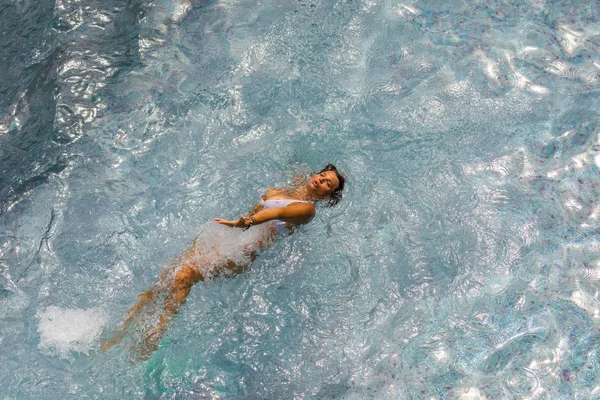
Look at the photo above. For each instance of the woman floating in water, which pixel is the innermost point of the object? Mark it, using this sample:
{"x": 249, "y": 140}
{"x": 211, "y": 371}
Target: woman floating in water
{"x": 279, "y": 210}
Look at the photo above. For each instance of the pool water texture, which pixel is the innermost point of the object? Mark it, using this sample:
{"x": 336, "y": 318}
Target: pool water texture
{"x": 462, "y": 263}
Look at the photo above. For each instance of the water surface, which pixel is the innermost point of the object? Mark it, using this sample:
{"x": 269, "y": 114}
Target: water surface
{"x": 462, "y": 261}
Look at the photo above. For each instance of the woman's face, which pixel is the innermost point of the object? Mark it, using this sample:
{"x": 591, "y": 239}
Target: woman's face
{"x": 323, "y": 184}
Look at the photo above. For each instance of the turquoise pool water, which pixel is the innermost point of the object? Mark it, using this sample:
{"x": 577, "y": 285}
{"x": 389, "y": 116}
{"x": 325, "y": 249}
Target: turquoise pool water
{"x": 462, "y": 263}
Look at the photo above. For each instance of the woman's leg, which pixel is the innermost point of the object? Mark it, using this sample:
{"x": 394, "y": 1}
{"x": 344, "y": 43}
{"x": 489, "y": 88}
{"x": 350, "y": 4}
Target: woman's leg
{"x": 185, "y": 278}
{"x": 163, "y": 285}
{"x": 120, "y": 331}
{"x": 172, "y": 290}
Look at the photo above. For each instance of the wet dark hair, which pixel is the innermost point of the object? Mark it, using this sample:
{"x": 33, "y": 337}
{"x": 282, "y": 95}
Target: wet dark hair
{"x": 336, "y": 196}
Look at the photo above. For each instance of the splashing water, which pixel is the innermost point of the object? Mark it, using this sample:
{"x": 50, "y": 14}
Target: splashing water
{"x": 63, "y": 331}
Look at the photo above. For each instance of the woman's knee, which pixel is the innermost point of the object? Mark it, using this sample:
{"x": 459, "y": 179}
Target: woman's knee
{"x": 187, "y": 276}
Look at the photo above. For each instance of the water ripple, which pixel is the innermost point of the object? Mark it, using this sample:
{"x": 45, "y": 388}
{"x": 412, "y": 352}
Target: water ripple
{"x": 462, "y": 262}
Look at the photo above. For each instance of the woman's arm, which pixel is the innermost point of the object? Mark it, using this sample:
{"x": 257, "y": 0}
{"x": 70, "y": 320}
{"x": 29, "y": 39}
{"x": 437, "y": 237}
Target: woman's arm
{"x": 298, "y": 213}
{"x": 295, "y": 213}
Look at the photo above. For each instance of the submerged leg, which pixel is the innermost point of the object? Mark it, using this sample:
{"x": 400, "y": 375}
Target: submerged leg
{"x": 120, "y": 331}
{"x": 168, "y": 294}
{"x": 148, "y": 297}
{"x": 185, "y": 278}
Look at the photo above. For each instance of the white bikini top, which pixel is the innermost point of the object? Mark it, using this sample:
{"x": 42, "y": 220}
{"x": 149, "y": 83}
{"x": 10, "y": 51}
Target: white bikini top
{"x": 280, "y": 203}
{"x": 278, "y": 224}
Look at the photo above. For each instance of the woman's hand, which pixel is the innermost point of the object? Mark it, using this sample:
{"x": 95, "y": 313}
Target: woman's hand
{"x": 241, "y": 222}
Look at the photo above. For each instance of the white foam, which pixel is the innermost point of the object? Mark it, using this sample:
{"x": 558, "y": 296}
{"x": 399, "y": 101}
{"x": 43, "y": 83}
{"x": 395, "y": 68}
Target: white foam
{"x": 69, "y": 330}
{"x": 216, "y": 245}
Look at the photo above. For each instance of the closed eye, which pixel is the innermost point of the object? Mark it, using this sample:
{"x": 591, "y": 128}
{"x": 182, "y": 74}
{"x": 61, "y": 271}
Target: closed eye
{"x": 328, "y": 181}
